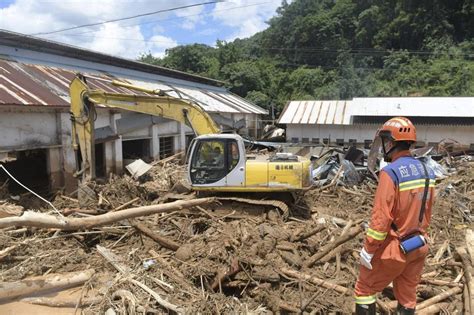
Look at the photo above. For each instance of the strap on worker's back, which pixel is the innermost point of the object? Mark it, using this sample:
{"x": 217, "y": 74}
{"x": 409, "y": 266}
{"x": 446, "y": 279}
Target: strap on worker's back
{"x": 423, "y": 201}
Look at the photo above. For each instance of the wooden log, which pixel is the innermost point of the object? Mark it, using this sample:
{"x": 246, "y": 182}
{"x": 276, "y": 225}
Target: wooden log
{"x": 40, "y": 220}
{"x": 467, "y": 300}
{"x": 163, "y": 241}
{"x": 303, "y": 236}
{"x": 353, "y": 232}
{"x": 468, "y": 270}
{"x": 434, "y": 309}
{"x": 68, "y": 211}
{"x": 441, "y": 282}
{"x": 36, "y": 285}
{"x": 337, "y": 251}
{"x": 438, "y": 298}
{"x": 384, "y": 307}
{"x": 306, "y": 277}
{"x": 57, "y": 302}
{"x": 441, "y": 250}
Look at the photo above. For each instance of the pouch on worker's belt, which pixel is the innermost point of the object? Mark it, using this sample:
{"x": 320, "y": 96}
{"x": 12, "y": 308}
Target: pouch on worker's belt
{"x": 412, "y": 242}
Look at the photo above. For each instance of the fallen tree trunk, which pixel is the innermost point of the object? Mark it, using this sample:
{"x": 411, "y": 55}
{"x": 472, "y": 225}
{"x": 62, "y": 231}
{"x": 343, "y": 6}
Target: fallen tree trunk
{"x": 438, "y": 298}
{"x": 326, "y": 284}
{"x": 333, "y": 245}
{"x": 40, "y": 220}
{"x": 35, "y": 285}
{"x": 434, "y": 309}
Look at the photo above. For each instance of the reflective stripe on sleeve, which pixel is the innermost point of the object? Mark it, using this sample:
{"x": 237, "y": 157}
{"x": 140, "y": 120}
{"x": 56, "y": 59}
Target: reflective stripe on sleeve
{"x": 376, "y": 235}
{"x": 365, "y": 299}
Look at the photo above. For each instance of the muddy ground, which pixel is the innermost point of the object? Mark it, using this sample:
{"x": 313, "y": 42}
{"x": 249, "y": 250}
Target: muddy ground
{"x": 231, "y": 261}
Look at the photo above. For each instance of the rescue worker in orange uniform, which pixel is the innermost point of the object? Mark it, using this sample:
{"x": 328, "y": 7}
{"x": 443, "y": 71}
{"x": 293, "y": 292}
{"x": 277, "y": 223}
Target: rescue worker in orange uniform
{"x": 397, "y": 214}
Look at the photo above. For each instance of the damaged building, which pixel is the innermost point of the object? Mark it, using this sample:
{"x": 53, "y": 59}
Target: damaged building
{"x": 354, "y": 122}
{"x": 35, "y": 126}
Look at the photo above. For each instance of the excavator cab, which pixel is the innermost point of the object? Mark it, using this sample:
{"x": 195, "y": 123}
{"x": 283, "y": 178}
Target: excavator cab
{"x": 217, "y": 161}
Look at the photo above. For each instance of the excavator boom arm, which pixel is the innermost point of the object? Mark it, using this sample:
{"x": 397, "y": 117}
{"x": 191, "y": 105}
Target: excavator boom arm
{"x": 83, "y": 101}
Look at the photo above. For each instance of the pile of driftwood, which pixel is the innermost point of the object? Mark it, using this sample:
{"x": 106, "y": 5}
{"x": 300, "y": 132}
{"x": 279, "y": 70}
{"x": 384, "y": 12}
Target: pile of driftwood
{"x": 148, "y": 255}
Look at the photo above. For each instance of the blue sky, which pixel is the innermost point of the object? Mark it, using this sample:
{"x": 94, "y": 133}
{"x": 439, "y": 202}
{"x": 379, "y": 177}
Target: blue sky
{"x": 225, "y": 20}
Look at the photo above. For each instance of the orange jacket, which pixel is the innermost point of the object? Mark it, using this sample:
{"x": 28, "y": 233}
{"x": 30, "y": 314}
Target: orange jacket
{"x": 398, "y": 200}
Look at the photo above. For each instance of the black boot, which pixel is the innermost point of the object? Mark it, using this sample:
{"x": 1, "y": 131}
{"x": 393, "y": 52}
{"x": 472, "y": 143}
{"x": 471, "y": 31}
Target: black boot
{"x": 402, "y": 310}
{"x": 365, "y": 309}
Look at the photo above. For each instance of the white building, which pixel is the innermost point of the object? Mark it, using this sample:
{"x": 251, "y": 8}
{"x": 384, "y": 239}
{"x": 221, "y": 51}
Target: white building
{"x": 35, "y": 127}
{"x": 356, "y": 121}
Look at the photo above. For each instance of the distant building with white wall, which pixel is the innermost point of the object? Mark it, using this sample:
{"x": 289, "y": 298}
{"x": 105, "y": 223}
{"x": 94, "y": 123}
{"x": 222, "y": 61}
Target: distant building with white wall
{"x": 357, "y": 120}
{"x": 35, "y": 127}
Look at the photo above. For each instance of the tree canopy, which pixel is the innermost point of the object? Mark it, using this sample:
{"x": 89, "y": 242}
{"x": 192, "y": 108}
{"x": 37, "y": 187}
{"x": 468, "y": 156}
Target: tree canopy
{"x": 339, "y": 49}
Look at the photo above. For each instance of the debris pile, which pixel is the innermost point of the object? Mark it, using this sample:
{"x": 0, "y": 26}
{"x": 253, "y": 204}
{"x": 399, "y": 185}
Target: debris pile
{"x": 192, "y": 255}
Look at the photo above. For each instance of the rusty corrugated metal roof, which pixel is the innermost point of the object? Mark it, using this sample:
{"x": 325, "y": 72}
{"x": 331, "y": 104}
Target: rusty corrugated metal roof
{"x": 27, "y": 84}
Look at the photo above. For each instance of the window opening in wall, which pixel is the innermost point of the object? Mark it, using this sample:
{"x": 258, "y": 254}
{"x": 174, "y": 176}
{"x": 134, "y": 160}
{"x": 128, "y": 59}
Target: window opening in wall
{"x": 166, "y": 147}
{"x": 100, "y": 160}
{"x": 353, "y": 142}
{"x": 136, "y": 149}
{"x": 315, "y": 140}
{"x": 340, "y": 142}
{"x": 30, "y": 168}
{"x": 294, "y": 140}
{"x": 326, "y": 140}
{"x": 305, "y": 140}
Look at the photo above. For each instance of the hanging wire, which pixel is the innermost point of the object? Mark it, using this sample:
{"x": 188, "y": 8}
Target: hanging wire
{"x": 31, "y": 191}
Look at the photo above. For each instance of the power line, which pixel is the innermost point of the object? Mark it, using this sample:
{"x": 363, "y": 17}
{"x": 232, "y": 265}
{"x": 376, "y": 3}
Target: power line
{"x": 314, "y": 51}
{"x": 179, "y": 17}
{"x": 364, "y": 51}
{"x": 127, "y": 18}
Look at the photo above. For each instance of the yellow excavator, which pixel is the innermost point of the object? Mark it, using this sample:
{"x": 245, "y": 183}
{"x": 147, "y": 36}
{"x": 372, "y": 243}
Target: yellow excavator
{"x": 215, "y": 161}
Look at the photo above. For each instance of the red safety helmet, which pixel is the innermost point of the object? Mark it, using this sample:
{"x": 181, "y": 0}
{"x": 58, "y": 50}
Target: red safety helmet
{"x": 398, "y": 129}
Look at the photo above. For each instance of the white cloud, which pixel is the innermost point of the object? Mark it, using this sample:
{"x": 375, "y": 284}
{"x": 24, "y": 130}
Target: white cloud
{"x": 247, "y": 17}
{"x": 191, "y": 17}
{"x": 118, "y": 38}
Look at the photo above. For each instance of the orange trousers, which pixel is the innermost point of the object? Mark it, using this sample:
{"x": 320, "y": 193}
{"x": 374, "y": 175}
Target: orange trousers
{"x": 390, "y": 264}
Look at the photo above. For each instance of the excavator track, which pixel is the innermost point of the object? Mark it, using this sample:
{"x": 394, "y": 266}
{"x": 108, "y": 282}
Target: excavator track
{"x": 283, "y": 207}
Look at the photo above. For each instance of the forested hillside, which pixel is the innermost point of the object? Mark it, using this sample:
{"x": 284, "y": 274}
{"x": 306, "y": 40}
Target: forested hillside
{"x": 339, "y": 49}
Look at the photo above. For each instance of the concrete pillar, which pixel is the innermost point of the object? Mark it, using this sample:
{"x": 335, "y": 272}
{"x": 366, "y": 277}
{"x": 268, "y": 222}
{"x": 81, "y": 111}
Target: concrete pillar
{"x": 113, "y": 150}
{"x": 182, "y": 137}
{"x": 54, "y": 166}
{"x": 154, "y": 143}
{"x": 68, "y": 157}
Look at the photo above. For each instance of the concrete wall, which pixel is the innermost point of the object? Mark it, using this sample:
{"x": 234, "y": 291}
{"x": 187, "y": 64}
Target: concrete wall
{"x": 30, "y": 127}
{"x": 425, "y": 133}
